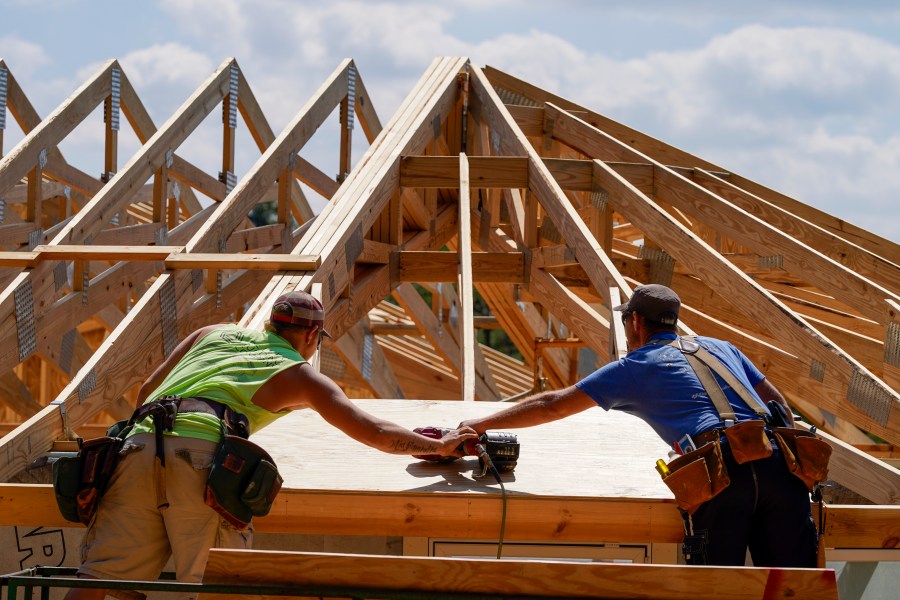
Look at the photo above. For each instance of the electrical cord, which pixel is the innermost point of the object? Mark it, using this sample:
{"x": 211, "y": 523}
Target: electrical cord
{"x": 488, "y": 463}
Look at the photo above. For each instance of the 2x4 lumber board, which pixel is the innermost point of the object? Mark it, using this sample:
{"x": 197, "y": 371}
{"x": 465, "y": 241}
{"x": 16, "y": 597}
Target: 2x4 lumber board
{"x": 251, "y": 188}
{"x": 511, "y": 578}
{"x": 855, "y": 470}
{"x": 854, "y": 234}
{"x": 746, "y": 228}
{"x": 309, "y": 174}
{"x": 667, "y": 154}
{"x": 660, "y": 150}
{"x": 559, "y": 519}
{"x": 47, "y": 135}
{"x": 757, "y": 303}
{"x": 262, "y": 262}
{"x": 484, "y": 172}
{"x": 370, "y": 185}
{"x": 438, "y": 267}
{"x": 855, "y": 258}
{"x": 598, "y": 266}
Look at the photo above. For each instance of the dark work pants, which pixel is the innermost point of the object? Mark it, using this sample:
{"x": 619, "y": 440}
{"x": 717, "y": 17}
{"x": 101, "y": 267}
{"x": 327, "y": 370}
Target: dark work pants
{"x": 765, "y": 509}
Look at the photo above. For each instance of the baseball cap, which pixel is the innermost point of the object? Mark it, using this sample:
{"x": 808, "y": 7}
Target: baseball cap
{"x": 655, "y": 302}
{"x": 301, "y": 309}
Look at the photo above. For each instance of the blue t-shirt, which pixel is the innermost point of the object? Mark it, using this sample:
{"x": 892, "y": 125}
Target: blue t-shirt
{"x": 656, "y": 383}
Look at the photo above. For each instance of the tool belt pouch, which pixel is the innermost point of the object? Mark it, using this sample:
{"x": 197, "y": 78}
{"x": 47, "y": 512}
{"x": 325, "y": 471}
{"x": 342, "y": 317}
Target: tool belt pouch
{"x": 79, "y": 482}
{"x": 805, "y": 453}
{"x": 748, "y": 441}
{"x": 698, "y": 476}
{"x": 243, "y": 481}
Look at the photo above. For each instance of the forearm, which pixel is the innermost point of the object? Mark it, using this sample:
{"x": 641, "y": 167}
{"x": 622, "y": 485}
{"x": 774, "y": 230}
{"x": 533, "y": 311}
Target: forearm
{"x": 535, "y": 410}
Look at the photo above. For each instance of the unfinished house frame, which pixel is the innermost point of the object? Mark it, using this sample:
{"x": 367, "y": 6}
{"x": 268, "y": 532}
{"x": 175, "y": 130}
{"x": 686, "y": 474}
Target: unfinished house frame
{"x": 480, "y": 182}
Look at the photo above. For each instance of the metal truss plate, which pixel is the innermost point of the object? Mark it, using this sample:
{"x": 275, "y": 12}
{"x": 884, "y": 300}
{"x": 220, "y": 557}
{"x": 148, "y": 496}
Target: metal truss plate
{"x": 3, "y": 92}
{"x": 368, "y": 348}
{"x": 115, "y": 96}
{"x": 351, "y": 96}
{"x": 66, "y": 351}
{"x": 662, "y": 265}
{"x": 87, "y": 385}
{"x": 233, "y": 96}
{"x": 892, "y": 344}
{"x": 817, "y": 370}
{"x": 168, "y": 312}
{"x": 867, "y": 396}
{"x": 25, "y": 330}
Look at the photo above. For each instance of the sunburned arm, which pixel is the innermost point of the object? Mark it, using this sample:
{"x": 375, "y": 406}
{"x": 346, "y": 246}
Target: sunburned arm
{"x": 302, "y": 386}
{"x": 768, "y": 392}
{"x": 157, "y": 377}
{"x": 535, "y": 410}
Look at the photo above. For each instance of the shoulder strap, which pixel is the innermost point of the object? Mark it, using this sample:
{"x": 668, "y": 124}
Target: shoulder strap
{"x": 704, "y": 363}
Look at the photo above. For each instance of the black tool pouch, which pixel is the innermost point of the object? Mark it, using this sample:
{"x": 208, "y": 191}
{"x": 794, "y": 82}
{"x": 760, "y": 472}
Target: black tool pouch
{"x": 243, "y": 481}
{"x": 80, "y": 481}
{"x": 698, "y": 476}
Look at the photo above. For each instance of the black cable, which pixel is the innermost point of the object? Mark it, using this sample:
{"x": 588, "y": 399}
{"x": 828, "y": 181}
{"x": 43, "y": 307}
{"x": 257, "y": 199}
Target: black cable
{"x": 485, "y": 457}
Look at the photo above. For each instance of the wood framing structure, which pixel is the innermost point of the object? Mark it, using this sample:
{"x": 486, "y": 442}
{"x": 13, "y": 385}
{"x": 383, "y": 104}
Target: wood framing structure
{"x": 481, "y": 187}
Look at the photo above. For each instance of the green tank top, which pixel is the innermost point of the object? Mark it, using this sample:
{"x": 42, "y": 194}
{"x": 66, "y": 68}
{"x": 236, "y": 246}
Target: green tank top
{"x": 228, "y": 365}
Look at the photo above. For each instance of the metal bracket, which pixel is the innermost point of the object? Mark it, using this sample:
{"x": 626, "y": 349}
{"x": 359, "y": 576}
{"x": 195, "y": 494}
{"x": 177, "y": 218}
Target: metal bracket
{"x": 161, "y": 236}
{"x": 35, "y": 238}
{"x": 770, "y": 262}
{"x": 233, "y": 96}
{"x": 66, "y": 351}
{"x": 60, "y": 275}
{"x": 25, "y": 331}
{"x": 867, "y": 396}
{"x": 229, "y": 179}
{"x": 170, "y": 158}
{"x": 817, "y": 370}
{"x": 2, "y": 209}
{"x": 3, "y": 89}
{"x": 662, "y": 265}
{"x": 68, "y": 432}
{"x": 219, "y": 289}
{"x": 168, "y": 312}
{"x": 115, "y": 98}
{"x": 368, "y": 342}
{"x": 892, "y": 344}
{"x": 549, "y": 231}
{"x": 87, "y": 385}
{"x": 351, "y": 95}
{"x": 599, "y": 198}
{"x": 114, "y": 220}
{"x": 85, "y": 284}
{"x": 354, "y": 247}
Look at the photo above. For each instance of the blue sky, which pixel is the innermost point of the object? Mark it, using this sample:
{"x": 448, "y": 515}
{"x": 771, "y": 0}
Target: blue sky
{"x": 801, "y": 96}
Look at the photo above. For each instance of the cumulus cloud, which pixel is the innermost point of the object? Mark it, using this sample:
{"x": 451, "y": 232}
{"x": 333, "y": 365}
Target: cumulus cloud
{"x": 21, "y": 55}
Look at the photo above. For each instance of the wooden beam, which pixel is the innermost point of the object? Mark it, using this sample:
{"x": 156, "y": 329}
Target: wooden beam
{"x": 464, "y": 284}
{"x": 435, "y": 267}
{"x": 443, "y": 172}
{"x": 508, "y": 578}
{"x": 475, "y": 516}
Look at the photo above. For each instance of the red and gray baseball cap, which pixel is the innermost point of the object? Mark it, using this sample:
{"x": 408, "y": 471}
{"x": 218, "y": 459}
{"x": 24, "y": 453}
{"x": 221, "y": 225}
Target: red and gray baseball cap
{"x": 300, "y": 309}
{"x": 655, "y": 302}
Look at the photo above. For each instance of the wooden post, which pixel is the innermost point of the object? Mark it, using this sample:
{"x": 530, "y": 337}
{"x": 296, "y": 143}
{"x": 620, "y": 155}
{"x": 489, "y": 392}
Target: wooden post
{"x": 464, "y": 286}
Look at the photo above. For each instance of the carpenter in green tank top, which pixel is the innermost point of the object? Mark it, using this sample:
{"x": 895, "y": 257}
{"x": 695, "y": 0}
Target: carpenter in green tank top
{"x": 228, "y": 365}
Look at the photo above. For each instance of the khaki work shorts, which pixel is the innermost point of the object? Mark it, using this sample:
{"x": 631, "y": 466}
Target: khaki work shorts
{"x": 131, "y": 538}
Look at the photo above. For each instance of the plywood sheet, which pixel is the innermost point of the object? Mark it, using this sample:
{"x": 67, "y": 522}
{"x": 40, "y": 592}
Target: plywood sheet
{"x": 592, "y": 454}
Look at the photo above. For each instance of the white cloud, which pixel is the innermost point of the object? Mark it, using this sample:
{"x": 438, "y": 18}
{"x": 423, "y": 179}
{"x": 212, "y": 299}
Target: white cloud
{"x": 21, "y": 56}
